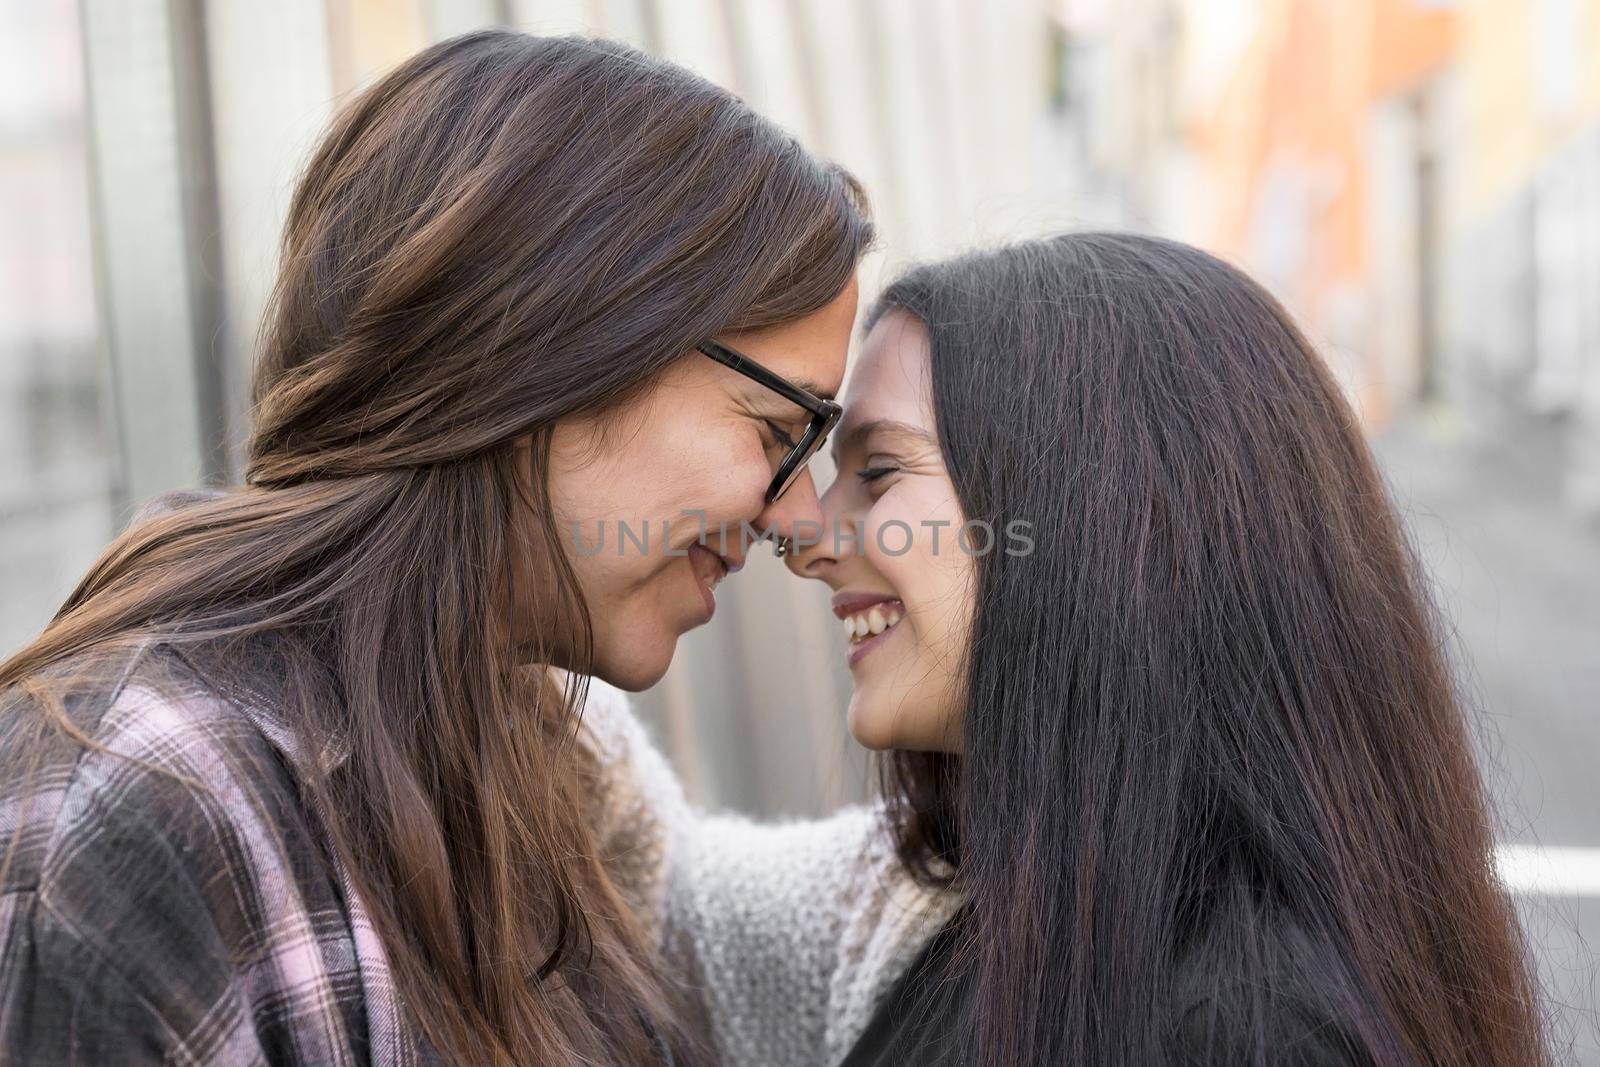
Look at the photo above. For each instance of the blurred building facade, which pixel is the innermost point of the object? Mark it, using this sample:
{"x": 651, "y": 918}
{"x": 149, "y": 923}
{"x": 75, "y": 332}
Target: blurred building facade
{"x": 1522, "y": 250}
{"x": 1419, "y": 181}
{"x": 58, "y": 458}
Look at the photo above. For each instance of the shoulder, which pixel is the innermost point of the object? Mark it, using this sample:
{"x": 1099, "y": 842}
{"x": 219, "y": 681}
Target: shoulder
{"x": 168, "y": 758}
{"x": 163, "y": 853}
{"x": 175, "y": 809}
{"x": 1293, "y": 1001}
{"x": 124, "y": 760}
{"x": 1297, "y": 1032}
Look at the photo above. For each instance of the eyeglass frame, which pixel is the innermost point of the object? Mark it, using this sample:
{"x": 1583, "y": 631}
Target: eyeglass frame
{"x": 824, "y": 414}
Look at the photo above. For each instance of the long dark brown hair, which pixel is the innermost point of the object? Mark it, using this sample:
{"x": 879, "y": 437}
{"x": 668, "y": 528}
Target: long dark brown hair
{"x": 503, "y": 231}
{"x": 1217, "y": 794}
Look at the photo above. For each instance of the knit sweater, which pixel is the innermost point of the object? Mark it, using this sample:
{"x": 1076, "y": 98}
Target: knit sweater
{"x": 790, "y": 932}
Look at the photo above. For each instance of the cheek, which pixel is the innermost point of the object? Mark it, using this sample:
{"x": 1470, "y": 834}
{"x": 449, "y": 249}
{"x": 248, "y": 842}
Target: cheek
{"x": 717, "y": 488}
{"x": 671, "y": 487}
{"x": 739, "y": 472}
{"x": 934, "y": 578}
{"x": 671, "y": 471}
{"x": 711, "y": 464}
{"x": 912, "y": 541}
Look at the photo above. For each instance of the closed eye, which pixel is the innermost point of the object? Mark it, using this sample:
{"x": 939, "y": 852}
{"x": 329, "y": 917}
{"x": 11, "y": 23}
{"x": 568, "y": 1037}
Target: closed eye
{"x": 872, "y": 474}
{"x": 779, "y": 437}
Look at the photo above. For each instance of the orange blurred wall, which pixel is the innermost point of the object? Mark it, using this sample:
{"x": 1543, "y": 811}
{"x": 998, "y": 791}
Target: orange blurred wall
{"x": 1285, "y": 150}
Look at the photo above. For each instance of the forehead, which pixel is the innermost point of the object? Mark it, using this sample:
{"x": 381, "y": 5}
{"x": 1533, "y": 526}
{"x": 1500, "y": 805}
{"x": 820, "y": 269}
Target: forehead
{"x": 890, "y": 378}
{"x": 808, "y": 351}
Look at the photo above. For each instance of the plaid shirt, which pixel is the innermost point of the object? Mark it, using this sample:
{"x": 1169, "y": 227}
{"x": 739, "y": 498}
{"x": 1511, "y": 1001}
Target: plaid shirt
{"x": 144, "y": 920}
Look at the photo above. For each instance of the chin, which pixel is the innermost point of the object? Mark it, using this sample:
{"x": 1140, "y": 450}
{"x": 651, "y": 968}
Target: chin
{"x": 868, "y": 730}
{"x": 635, "y": 668}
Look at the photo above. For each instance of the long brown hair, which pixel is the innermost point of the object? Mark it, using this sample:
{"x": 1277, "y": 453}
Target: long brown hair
{"x": 503, "y": 231}
{"x": 1217, "y": 793}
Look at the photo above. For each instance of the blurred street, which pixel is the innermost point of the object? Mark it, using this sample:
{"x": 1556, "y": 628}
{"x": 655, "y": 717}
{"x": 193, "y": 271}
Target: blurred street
{"x": 1518, "y": 575}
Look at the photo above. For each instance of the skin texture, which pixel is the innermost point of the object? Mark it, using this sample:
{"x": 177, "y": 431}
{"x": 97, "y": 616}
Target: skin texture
{"x": 698, "y": 441}
{"x": 891, "y": 471}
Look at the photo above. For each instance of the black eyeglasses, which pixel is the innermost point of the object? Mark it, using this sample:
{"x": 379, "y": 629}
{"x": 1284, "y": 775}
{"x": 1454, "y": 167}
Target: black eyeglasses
{"x": 824, "y": 413}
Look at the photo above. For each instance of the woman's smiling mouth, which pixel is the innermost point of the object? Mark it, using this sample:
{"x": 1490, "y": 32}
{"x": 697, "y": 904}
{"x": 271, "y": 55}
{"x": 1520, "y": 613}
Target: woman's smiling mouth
{"x": 867, "y": 619}
{"x": 710, "y": 568}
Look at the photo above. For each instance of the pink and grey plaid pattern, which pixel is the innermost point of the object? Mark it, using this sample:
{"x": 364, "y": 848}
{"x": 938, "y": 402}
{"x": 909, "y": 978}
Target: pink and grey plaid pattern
{"x": 172, "y": 901}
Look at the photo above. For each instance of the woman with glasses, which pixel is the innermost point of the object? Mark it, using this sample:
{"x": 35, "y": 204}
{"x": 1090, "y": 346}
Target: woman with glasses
{"x": 286, "y": 780}
{"x": 1179, "y": 775}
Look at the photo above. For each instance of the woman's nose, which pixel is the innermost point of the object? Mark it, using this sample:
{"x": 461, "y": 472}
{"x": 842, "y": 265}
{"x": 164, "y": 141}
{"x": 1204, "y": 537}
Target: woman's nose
{"x": 796, "y": 513}
{"x": 818, "y": 546}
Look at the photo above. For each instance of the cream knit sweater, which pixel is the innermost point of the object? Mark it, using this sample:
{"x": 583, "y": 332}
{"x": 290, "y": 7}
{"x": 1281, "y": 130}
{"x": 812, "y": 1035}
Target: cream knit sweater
{"x": 791, "y": 931}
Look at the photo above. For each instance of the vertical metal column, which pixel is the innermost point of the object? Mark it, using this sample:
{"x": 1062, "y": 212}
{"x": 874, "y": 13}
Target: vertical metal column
{"x": 155, "y": 234}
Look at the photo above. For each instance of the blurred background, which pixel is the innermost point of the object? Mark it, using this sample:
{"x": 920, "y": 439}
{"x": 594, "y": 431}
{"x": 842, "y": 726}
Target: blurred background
{"x": 1419, "y": 181}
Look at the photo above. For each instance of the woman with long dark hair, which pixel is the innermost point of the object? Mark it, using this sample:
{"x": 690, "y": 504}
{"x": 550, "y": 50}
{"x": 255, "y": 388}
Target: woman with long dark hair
{"x": 286, "y": 780}
{"x": 1177, "y": 770}
{"x": 1188, "y": 749}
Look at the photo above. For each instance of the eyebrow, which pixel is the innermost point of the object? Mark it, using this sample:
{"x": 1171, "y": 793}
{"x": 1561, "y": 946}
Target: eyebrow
{"x": 816, "y": 389}
{"x": 863, "y": 430}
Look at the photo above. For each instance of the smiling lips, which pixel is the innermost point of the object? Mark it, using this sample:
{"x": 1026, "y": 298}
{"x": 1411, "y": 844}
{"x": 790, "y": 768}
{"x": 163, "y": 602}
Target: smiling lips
{"x": 710, "y": 568}
{"x": 866, "y": 616}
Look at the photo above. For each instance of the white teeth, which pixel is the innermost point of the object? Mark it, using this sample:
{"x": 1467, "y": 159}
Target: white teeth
{"x": 869, "y": 623}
